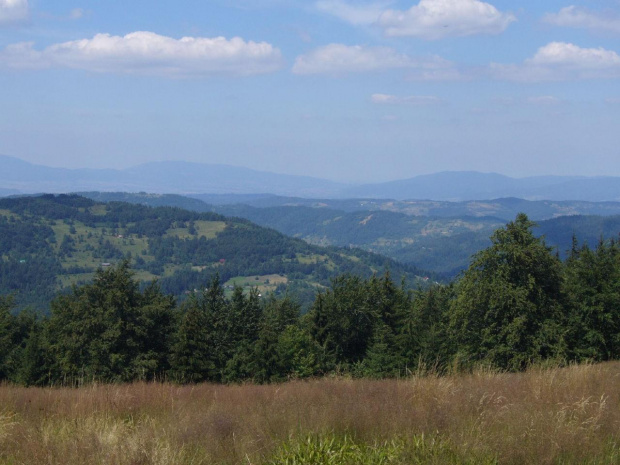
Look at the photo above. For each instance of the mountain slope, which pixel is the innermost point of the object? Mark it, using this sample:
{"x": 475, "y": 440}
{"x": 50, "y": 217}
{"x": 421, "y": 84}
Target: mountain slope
{"x": 50, "y": 242}
{"x": 436, "y": 236}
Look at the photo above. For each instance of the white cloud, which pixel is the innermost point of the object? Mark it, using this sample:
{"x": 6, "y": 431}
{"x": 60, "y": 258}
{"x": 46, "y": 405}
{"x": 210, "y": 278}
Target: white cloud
{"x": 356, "y": 14}
{"x": 544, "y": 100}
{"x": 436, "y": 19}
{"x": 12, "y": 11}
{"x": 559, "y": 61}
{"x": 148, "y": 53}
{"x": 340, "y": 59}
{"x": 570, "y": 55}
{"x": 576, "y": 17}
{"x": 387, "y": 99}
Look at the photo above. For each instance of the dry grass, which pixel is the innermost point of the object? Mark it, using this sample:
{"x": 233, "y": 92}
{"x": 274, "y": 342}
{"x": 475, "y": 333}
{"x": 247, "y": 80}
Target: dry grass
{"x": 569, "y": 415}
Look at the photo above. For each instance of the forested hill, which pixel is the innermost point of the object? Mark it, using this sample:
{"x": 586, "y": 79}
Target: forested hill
{"x": 49, "y": 242}
{"x": 419, "y": 233}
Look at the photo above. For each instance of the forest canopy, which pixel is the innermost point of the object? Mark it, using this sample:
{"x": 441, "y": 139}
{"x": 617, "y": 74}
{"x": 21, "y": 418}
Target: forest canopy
{"x": 516, "y": 305}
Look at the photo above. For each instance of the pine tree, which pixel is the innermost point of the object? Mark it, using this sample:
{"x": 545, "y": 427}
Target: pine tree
{"x": 593, "y": 288}
{"x": 7, "y": 336}
{"x": 192, "y": 358}
{"x": 508, "y": 306}
{"x": 109, "y": 330}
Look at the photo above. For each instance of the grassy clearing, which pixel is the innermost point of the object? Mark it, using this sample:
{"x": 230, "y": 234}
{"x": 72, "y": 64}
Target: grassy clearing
{"x": 264, "y": 283}
{"x": 208, "y": 229}
{"x": 544, "y": 416}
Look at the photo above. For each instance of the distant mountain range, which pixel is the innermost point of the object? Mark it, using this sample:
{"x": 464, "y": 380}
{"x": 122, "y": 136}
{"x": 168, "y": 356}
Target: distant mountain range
{"x": 470, "y": 185}
{"x": 160, "y": 177}
{"x": 18, "y": 176}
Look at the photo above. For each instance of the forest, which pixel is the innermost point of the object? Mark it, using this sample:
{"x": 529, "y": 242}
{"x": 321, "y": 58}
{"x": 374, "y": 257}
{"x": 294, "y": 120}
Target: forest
{"x": 49, "y": 243}
{"x": 517, "y": 305}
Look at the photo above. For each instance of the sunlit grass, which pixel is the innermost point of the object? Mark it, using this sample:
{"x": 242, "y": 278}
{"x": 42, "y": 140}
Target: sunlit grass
{"x": 567, "y": 415}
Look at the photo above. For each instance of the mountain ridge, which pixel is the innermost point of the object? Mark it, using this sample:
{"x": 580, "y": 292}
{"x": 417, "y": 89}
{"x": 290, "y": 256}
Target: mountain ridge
{"x": 189, "y": 178}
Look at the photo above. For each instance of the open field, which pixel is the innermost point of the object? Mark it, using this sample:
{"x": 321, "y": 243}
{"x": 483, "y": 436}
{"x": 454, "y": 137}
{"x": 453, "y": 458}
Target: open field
{"x": 544, "y": 416}
{"x": 264, "y": 283}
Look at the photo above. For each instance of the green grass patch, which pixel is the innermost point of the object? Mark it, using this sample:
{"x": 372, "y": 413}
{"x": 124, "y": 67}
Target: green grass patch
{"x": 98, "y": 210}
{"x": 344, "y": 450}
{"x": 208, "y": 229}
{"x": 264, "y": 283}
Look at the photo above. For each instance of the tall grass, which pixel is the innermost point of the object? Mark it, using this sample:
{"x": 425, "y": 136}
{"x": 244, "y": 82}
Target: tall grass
{"x": 550, "y": 415}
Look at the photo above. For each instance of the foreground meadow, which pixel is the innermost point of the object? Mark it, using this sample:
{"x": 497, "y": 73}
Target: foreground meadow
{"x": 555, "y": 415}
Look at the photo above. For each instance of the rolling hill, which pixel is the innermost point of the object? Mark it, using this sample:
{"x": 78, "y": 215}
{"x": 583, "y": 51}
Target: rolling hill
{"x": 50, "y": 242}
{"x": 442, "y": 242}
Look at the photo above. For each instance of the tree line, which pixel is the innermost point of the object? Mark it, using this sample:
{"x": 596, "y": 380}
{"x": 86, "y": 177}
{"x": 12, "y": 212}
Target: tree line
{"x": 516, "y": 305}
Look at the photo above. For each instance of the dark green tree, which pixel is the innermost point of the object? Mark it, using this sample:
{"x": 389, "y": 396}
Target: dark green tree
{"x": 8, "y": 337}
{"x": 593, "y": 289}
{"x": 192, "y": 352}
{"x": 278, "y": 315}
{"x": 33, "y": 367}
{"x": 423, "y": 333}
{"x": 508, "y": 306}
{"x": 109, "y": 330}
{"x": 343, "y": 321}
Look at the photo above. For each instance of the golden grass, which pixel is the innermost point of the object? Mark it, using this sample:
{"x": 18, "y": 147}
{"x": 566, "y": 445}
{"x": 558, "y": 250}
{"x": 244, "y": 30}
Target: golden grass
{"x": 567, "y": 415}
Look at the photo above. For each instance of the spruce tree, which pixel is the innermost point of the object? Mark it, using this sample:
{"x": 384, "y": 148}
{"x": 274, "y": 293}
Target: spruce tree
{"x": 508, "y": 309}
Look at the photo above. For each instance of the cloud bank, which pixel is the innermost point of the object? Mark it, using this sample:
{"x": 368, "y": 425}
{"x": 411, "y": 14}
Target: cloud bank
{"x": 437, "y": 19}
{"x": 338, "y": 59}
{"x": 387, "y": 99}
{"x": 559, "y": 61}
{"x": 13, "y": 11}
{"x": 577, "y": 17}
{"x": 147, "y": 53}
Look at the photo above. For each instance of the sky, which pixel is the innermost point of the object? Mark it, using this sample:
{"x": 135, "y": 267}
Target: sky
{"x": 363, "y": 91}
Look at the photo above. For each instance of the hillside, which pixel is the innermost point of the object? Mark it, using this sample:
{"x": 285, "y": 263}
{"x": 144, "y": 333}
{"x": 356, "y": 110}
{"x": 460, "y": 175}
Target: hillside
{"x": 50, "y": 242}
{"x": 503, "y": 208}
{"x": 436, "y": 236}
{"x": 440, "y": 244}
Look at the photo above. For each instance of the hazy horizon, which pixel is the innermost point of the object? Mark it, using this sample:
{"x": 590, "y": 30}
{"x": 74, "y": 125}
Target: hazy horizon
{"x": 356, "y": 92}
{"x": 326, "y": 178}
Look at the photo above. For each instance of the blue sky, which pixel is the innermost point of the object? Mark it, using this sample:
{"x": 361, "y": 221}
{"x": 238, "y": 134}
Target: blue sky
{"x": 352, "y": 91}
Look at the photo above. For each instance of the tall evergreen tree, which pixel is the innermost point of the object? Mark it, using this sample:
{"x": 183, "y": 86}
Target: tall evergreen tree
{"x": 192, "y": 358}
{"x": 593, "y": 288}
{"x": 107, "y": 330}
{"x": 508, "y": 309}
{"x": 8, "y": 330}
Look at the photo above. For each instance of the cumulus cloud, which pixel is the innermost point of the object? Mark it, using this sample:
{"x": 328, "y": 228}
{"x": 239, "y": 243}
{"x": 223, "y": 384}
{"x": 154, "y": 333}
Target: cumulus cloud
{"x": 148, "y": 53}
{"x": 558, "y": 61}
{"x": 577, "y": 17}
{"x": 570, "y": 55}
{"x": 436, "y": 19}
{"x": 12, "y": 11}
{"x": 342, "y": 59}
{"x": 387, "y": 99}
{"x": 356, "y": 14}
